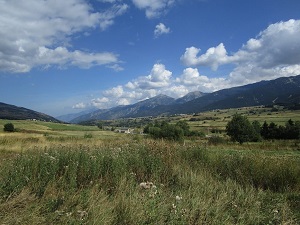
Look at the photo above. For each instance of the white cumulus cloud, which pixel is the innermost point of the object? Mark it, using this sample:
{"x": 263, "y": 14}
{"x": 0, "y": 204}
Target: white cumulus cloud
{"x": 161, "y": 29}
{"x": 275, "y": 52}
{"x": 34, "y": 32}
{"x": 159, "y": 77}
{"x": 80, "y": 105}
{"x": 153, "y": 8}
{"x": 214, "y": 57}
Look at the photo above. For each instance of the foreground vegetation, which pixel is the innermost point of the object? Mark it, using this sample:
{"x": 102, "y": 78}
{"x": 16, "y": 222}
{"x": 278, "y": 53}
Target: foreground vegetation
{"x": 99, "y": 183}
{"x": 70, "y": 174}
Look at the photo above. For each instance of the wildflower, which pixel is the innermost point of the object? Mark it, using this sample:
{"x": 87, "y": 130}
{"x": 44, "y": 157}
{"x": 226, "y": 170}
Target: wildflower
{"x": 133, "y": 174}
{"x": 146, "y": 185}
{"x": 183, "y": 212}
{"x": 151, "y": 195}
{"x": 52, "y": 158}
{"x": 60, "y": 213}
{"x": 82, "y": 214}
{"x": 178, "y": 198}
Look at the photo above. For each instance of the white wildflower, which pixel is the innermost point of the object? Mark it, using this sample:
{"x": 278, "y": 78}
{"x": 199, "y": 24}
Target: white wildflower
{"x": 146, "y": 185}
{"x": 178, "y": 198}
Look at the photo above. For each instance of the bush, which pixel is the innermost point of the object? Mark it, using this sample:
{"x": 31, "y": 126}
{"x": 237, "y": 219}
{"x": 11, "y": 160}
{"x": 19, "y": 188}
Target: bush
{"x": 88, "y": 135}
{"x": 215, "y": 140}
{"x": 166, "y": 131}
{"x": 9, "y": 127}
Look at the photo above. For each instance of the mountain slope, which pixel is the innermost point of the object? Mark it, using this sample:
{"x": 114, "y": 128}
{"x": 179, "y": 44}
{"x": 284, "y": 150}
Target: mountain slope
{"x": 282, "y": 90}
{"x": 199, "y": 104}
{"x": 69, "y": 117}
{"x": 135, "y": 110}
{"x": 12, "y": 112}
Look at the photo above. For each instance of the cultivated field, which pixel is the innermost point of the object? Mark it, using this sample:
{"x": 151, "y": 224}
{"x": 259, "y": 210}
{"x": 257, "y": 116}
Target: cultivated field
{"x": 71, "y": 174}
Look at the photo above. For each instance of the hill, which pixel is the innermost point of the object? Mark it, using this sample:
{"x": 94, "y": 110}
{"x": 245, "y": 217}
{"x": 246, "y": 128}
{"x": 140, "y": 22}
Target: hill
{"x": 11, "y": 112}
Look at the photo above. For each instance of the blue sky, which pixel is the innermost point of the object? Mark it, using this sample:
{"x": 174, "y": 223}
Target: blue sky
{"x": 60, "y": 57}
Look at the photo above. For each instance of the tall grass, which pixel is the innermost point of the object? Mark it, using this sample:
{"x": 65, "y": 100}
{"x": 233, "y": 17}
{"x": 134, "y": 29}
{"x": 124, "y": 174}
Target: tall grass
{"x": 80, "y": 184}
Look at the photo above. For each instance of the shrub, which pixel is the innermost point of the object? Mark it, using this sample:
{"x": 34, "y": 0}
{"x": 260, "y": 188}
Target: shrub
{"x": 9, "y": 127}
{"x": 88, "y": 135}
{"x": 215, "y": 140}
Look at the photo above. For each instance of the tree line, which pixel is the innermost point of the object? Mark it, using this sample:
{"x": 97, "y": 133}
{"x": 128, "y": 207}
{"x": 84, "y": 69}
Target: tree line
{"x": 240, "y": 129}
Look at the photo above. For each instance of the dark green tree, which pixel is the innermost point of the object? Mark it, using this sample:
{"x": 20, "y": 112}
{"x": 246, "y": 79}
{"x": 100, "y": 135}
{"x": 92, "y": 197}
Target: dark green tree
{"x": 291, "y": 130}
{"x": 9, "y": 127}
{"x": 155, "y": 132}
{"x": 100, "y": 125}
{"x": 164, "y": 130}
{"x": 172, "y": 132}
{"x": 265, "y": 130}
{"x": 240, "y": 129}
{"x": 184, "y": 126}
{"x": 257, "y": 129}
{"x": 147, "y": 128}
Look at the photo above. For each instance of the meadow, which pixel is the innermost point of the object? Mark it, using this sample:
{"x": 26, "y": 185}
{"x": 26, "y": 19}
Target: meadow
{"x": 71, "y": 174}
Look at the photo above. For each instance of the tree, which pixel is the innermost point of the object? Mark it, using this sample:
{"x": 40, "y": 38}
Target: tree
{"x": 100, "y": 125}
{"x": 184, "y": 126}
{"x": 147, "y": 128}
{"x": 172, "y": 132}
{"x": 240, "y": 129}
{"x": 265, "y": 130}
{"x": 165, "y": 130}
{"x": 9, "y": 127}
{"x": 291, "y": 130}
{"x": 257, "y": 129}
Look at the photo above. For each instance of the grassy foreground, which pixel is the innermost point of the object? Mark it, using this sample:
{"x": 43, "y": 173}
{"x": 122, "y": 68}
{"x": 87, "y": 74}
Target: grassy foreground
{"x": 83, "y": 180}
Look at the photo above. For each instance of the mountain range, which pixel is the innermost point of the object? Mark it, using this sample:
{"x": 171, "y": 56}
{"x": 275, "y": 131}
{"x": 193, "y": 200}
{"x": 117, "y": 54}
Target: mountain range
{"x": 284, "y": 90}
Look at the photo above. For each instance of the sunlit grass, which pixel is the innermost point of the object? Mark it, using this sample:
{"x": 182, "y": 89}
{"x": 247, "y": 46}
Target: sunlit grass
{"x": 99, "y": 183}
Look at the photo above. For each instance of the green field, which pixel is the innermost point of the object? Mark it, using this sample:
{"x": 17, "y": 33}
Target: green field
{"x": 219, "y": 118}
{"x": 72, "y": 174}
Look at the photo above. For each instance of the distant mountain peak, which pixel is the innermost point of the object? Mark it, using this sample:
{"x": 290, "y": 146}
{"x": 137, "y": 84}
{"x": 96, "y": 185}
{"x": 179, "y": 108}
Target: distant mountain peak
{"x": 190, "y": 96}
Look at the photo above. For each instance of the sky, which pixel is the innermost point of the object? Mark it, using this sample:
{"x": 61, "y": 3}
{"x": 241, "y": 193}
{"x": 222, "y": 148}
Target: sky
{"x": 60, "y": 57}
